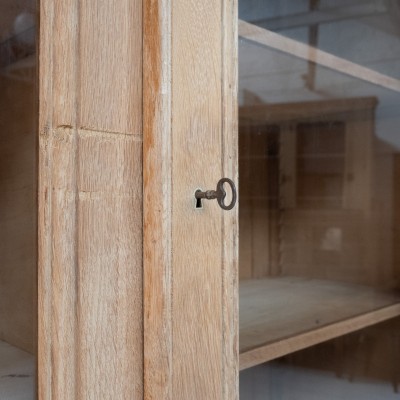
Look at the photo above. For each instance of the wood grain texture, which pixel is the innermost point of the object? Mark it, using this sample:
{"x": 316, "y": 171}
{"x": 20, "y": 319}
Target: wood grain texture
{"x": 190, "y": 255}
{"x": 197, "y": 279}
{"x": 230, "y": 229}
{"x": 110, "y": 79}
{"x": 282, "y": 315}
{"x": 18, "y": 214}
{"x": 45, "y": 372}
{"x": 157, "y": 205}
{"x": 90, "y": 201}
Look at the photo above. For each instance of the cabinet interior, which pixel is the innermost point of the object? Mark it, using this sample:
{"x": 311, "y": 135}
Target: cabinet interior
{"x": 319, "y": 199}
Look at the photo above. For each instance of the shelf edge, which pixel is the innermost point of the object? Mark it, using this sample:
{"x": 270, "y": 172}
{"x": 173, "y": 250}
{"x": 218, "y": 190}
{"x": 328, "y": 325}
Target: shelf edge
{"x": 280, "y": 348}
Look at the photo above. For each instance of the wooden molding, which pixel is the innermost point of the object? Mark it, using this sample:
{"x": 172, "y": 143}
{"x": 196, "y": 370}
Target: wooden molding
{"x": 190, "y": 256}
{"x": 157, "y": 205}
{"x": 90, "y": 200}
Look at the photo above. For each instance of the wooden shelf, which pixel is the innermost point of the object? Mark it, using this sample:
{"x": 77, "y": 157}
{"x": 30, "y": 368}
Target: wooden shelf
{"x": 22, "y": 70}
{"x": 276, "y": 41}
{"x": 281, "y": 315}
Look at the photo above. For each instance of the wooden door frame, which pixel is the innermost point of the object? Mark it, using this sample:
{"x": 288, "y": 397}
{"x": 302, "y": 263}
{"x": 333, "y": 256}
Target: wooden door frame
{"x": 165, "y": 22}
{"x": 104, "y": 332}
{"x": 90, "y": 314}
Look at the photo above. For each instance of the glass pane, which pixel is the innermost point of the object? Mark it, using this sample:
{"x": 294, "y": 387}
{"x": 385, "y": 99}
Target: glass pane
{"x": 319, "y": 166}
{"x": 356, "y": 26}
{"x": 353, "y": 366}
{"x": 18, "y": 276}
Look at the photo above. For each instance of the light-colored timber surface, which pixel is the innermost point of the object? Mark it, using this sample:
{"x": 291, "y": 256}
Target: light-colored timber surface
{"x": 90, "y": 245}
{"x": 189, "y": 108}
{"x": 282, "y": 315}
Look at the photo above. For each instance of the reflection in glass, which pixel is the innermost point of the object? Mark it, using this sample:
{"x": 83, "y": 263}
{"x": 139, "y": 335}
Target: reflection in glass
{"x": 319, "y": 165}
{"x": 354, "y": 366}
{"x": 18, "y": 306}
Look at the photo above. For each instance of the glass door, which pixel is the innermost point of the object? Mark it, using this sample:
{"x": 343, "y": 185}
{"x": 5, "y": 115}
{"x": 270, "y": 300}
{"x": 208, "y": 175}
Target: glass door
{"x": 319, "y": 166}
{"x": 18, "y": 276}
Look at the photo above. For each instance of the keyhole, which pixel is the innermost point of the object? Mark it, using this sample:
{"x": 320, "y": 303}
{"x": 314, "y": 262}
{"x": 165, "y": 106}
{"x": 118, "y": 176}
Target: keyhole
{"x": 199, "y": 203}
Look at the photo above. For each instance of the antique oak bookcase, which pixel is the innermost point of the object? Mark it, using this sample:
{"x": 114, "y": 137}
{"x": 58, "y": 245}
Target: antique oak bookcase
{"x": 118, "y": 281}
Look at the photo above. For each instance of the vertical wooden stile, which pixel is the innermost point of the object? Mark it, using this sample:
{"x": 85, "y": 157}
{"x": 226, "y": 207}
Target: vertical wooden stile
{"x": 190, "y": 256}
{"x": 90, "y": 200}
{"x": 230, "y": 168}
{"x": 157, "y": 206}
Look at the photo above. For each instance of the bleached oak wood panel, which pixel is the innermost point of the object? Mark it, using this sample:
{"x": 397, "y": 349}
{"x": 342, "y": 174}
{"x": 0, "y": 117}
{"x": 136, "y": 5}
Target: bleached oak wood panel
{"x": 110, "y": 80}
{"x": 230, "y": 228}
{"x": 110, "y": 265}
{"x": 197, "y": 278}
{"x": 90, "y": 201}
{"x": 190, "y": 255}
{"x": 157, "y": 206}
